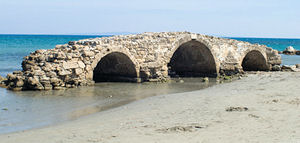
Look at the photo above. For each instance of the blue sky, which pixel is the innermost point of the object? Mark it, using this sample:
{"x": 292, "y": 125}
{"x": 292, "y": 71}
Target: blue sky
{"x": 242, "y": 18}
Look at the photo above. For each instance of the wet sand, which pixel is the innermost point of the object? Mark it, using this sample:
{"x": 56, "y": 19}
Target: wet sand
{"x": 35, "y": 109}
{"x": 262, "y": 107}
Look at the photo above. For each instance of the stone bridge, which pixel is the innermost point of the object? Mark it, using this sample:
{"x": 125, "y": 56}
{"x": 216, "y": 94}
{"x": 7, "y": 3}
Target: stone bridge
{"x": 139, "y": 58}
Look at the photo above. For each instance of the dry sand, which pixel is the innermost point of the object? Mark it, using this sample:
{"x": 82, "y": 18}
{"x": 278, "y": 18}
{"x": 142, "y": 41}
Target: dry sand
{"x": 263, "y": 107}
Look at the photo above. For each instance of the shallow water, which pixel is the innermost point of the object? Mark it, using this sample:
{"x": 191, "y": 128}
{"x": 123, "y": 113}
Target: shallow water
{"x": 33, "y": 109}
{"x": 290, "y": 59}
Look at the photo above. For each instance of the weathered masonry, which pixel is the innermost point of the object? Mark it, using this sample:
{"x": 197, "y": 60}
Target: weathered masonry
{"x": 139, "y": 58}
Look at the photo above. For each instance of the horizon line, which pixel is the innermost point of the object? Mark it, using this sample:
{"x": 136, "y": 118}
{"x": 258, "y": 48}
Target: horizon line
{"x": 128, "y": 33}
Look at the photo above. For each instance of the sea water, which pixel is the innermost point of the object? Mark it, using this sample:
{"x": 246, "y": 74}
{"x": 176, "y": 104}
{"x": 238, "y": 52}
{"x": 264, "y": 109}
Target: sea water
{"x": 14, "y": 47}
{"x": 34, "y": 109}
{"x": 278, "y": 44}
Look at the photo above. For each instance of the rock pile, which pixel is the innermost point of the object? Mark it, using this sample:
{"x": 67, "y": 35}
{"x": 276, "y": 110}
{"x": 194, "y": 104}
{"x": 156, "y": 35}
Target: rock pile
{"x": 290, "y": 51}
{"x": 290, "y": 68}
{"x": 3, "y": 81}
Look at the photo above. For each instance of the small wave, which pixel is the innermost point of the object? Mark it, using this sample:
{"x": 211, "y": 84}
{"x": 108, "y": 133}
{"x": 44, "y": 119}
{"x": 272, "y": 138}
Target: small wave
{"x": 9, "y": 69}
{"x": 17, "y": 54}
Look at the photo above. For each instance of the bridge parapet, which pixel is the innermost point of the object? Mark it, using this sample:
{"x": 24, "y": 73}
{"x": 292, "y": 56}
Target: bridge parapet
{"x": 137, "y": 58}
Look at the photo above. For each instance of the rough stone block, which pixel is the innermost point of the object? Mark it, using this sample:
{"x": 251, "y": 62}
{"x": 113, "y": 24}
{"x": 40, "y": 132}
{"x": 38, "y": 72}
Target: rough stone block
{"x": 70, "y": 65}
{"x": 78, "y": 71}
{"x": 64, "y": 72}
{"x": 88, "y": 53}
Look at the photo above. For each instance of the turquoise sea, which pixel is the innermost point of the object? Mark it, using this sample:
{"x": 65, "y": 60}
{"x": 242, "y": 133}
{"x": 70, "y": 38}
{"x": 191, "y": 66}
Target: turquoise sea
{"x": 275, "y": 43}
{"x": 34, "y": 109}
{"x": 14, "y": 47}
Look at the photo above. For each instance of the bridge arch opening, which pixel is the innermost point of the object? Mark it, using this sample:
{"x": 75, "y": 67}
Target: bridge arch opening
{"x": 192, "y": 59}
{"x": 254, "y": 61}
{"x": 115, "y": 67}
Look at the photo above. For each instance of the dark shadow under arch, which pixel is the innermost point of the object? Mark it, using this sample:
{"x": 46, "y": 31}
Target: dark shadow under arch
{"x": 254, "y": 61}
{"x": 192, "y": 59}
{"x": 115, "y": 67}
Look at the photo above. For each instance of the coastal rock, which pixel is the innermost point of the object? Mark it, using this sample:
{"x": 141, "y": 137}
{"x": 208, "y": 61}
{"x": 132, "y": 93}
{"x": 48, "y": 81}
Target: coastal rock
{"x": 11, "y": 77}
{"x": 206, "y": 79}
{"x": 16, "y": 88}
{"x": 46, "y": 84}
{"x": 291, "y": 68}
{"x": 298, "y": 66}
{"x": 59, "y": 88}
{"x": 289, "y": 51}
{"x": 276, "y": 68}
{"x": 3, "y": 82}
{"x": 20, "y": 83}
{"x": 17, "y": 72}
{"x": 54, "y": 80}
{"x": 32, "y": 81}
{"x": 296, "y": 69}
{"x": 297, "y": 52}
{"x": 2, "y": 79}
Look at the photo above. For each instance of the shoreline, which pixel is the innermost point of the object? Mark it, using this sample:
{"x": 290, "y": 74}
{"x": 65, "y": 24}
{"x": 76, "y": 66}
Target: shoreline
{"x": 56, "y": 107}
{"x": 202, "y": 115}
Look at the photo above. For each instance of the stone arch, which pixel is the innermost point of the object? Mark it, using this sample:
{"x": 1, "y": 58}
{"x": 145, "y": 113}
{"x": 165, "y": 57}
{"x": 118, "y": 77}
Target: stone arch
{"x": 192, "y": 57}
{"x": 254, "y": 60}
{"x": 115, "y": 66}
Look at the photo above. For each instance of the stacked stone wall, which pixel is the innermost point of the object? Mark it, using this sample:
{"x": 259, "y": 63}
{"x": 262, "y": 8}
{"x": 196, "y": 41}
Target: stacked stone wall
{"x": 73, "y": 64}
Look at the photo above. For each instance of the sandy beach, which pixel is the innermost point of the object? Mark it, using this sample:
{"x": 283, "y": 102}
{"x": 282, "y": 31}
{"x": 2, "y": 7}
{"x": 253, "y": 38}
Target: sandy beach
{"x": 262, "y": 107}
